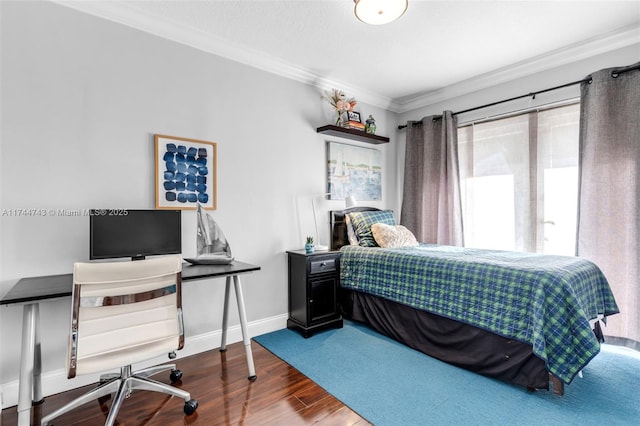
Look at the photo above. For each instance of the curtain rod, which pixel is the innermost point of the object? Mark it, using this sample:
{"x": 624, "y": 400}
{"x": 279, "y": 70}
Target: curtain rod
{"x": 614, "y": 73}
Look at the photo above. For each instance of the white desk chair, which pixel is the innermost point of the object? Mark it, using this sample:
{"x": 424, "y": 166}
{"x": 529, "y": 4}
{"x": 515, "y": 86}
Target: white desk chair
{"x": 124, "y": 313}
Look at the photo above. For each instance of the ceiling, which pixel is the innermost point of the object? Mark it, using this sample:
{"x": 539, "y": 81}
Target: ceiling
{"x": 436, "y": 45}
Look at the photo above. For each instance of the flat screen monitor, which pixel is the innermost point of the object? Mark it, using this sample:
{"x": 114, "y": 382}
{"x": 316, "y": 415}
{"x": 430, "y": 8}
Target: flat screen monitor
{"x": 117, "y": 233}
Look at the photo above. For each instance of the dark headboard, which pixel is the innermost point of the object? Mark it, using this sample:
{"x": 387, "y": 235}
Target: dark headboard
{"x": 339, "y": 236}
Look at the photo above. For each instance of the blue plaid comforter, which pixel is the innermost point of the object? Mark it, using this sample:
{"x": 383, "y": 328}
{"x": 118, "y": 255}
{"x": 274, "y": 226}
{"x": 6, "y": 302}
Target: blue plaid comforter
{"x": 546, "y": 301}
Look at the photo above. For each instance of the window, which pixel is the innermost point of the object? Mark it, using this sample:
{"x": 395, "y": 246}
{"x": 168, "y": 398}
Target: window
{"x": 519, "y": 181}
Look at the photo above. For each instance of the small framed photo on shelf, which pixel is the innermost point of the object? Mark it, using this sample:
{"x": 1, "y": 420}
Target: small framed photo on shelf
{"x": 354, "y": 116}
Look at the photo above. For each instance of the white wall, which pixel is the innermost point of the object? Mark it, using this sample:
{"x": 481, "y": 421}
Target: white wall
{"x": 81, "y": 100}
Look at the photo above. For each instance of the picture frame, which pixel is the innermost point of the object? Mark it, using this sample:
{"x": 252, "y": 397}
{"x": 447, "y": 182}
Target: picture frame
{"x": 353, "y": 171}
{"x": 354, "y": 116}
{"x": 185, "y": 173}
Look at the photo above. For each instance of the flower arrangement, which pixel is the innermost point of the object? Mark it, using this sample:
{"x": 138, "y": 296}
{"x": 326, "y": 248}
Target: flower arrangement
{"x": 339, "y": 102}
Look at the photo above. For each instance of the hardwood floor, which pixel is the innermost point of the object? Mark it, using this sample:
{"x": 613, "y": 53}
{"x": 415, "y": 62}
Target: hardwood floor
{"x": 218, "y": 380}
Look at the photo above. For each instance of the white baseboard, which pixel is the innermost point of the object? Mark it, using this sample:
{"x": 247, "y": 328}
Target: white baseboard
{"x": 56, "y": 381}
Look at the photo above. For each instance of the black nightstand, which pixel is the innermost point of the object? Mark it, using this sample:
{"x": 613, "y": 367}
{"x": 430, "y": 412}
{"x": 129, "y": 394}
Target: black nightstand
{"x": 313, "y": 291}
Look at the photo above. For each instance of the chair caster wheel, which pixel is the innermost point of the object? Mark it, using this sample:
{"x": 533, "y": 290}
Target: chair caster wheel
{"x": 175, "y": 376}
{"x": 190, "y": 406}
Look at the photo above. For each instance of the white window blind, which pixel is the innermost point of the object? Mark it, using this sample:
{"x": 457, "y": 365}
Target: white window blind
{"x": 519, "y": 181}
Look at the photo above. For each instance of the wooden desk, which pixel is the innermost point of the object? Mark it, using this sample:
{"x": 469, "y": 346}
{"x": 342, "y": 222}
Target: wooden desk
{"x": 30, "y": 291}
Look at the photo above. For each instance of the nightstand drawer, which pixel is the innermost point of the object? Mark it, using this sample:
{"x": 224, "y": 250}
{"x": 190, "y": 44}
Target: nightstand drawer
{"x": 323, "y": 265}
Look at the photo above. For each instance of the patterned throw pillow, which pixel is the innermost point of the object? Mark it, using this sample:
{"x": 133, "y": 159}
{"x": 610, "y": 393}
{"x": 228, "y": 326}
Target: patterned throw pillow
{"x": 362, "y": 221}
{"x": 351, "y": 235}
{"x": 389, "y": 236}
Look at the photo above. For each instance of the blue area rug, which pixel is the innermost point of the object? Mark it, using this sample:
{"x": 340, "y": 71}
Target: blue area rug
{"x": 390, "y": 384}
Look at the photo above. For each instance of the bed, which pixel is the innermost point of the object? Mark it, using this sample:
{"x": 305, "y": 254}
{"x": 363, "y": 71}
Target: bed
{"x": 523, "y": 318}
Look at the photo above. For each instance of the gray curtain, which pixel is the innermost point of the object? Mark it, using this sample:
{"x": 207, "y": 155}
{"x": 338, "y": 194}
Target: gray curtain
{"x": 431, "y": 203}
{"x": 609, "y": 193}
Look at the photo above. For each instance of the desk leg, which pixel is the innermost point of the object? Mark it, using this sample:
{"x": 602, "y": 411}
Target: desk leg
{"x": 243, "y": 326}
{"x": 37, "y": 360}
{"x": 225, "y": 315}
{"x": 29, "y": 386}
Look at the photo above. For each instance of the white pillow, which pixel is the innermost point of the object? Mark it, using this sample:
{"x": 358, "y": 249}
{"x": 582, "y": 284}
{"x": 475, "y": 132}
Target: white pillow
{"x": 389, "y": 236}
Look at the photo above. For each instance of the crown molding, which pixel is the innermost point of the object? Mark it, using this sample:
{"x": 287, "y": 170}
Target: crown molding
{"x": 168, "y": 29}
{"x": 124, "y": 14}
{"x": 614, "y": 40}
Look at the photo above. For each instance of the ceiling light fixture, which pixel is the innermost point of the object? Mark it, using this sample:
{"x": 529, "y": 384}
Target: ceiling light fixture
{"x": 378, "y": 12}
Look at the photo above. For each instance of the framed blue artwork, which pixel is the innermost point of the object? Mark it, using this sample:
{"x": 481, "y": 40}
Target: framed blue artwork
{"x": 185, "y": 173}
{"x": 353, "y": 170}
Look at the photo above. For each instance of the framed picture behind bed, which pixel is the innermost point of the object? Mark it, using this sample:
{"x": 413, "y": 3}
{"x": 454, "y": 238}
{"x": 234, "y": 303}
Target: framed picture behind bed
{"x": 353, "y": 170}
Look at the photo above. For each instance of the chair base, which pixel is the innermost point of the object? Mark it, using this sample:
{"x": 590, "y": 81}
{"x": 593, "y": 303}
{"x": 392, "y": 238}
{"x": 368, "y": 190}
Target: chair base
{"x": 123, "y": 385}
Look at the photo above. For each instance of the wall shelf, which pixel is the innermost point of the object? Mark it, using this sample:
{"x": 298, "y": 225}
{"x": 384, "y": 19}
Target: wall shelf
{"x": 353, "y": 134}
